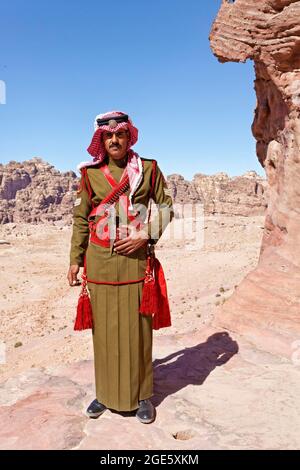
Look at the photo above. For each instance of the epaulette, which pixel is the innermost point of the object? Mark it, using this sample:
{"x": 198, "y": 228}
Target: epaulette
{"x": 148, "y": 159}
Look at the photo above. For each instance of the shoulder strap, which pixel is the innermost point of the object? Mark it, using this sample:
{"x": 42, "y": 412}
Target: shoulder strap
{"x": 114, "y": 195}
{"x": 116, "y": 192}
{"x": 86, "y": 185}
{"x": 153, "y": 179}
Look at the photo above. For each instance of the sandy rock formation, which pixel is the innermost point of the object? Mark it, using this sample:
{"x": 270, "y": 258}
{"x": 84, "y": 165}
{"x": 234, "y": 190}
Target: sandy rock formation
{"x": 221, "y": 194}
{"x": 34, "y": 191}
{"x": 240, "y": 195}
{"x": 266, "y": 305}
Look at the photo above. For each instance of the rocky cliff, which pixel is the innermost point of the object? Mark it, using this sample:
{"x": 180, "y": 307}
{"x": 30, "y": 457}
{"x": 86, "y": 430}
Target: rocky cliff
{"x": 34, "y": 191}
{"x": 220, "y": 194}
{"x": 266, "y": 305}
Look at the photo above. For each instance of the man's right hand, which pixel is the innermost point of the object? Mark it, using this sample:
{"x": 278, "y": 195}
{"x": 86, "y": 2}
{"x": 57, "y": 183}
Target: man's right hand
{"x": 72, "y": 275}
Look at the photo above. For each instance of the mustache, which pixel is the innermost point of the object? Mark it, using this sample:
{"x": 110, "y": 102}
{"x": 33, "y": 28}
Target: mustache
{"x": 114, "y": 145}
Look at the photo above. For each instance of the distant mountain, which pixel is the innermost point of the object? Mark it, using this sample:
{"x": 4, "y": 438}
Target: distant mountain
{"x": 34, "y": 191}
{"x": 221, "y": 194}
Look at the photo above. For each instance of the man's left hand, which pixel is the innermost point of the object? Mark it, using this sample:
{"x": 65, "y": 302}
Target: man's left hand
{"x": 129, "y": 243}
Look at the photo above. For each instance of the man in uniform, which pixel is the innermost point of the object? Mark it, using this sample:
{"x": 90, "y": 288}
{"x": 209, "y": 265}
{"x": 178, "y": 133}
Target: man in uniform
{"x": 115, "y": 256}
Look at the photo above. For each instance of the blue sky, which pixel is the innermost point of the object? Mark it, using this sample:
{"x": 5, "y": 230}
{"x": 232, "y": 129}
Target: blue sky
{"x": 63, "y": 62}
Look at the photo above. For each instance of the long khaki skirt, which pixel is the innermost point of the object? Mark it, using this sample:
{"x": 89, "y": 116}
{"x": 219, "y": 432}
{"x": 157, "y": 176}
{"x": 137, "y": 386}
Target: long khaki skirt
{"x": 122, "y": 340}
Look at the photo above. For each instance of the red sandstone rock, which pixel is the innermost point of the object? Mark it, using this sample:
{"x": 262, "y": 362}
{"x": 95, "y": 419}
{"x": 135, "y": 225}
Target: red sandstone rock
{"x": 33, "y": 191}
{"x": 266, "y": 306}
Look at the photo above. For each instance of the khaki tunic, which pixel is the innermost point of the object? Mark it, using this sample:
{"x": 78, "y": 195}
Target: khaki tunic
{"x": 122, "y": 337}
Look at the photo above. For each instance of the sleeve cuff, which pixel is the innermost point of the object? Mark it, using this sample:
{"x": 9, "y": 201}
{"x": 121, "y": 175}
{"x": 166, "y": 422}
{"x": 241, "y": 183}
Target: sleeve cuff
{"x": 80, "y": 262}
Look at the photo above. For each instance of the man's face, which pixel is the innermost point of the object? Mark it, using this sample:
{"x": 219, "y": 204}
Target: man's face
{"x": 115, "y": 143}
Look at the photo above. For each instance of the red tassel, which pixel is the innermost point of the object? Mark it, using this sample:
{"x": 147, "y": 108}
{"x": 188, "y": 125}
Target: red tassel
{"x": 149, "y": 304}
{"x": 155, "y": 298}
{"x": 84, "y": 317}
{"x": 162, "y": 318}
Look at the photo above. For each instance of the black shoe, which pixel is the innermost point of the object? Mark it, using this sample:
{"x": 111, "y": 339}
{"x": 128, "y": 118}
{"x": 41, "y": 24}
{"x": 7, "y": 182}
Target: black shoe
{"x": 95, "y": 409}
{"x": 146, "y": 412}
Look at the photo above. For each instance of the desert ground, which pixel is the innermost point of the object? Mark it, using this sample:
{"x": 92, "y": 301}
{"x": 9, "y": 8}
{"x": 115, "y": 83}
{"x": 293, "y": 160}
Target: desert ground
{"x": 213, "y": 390}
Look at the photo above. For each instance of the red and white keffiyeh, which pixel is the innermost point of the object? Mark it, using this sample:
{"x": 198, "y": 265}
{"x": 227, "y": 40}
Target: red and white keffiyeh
{"x": 97, "y": 150}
